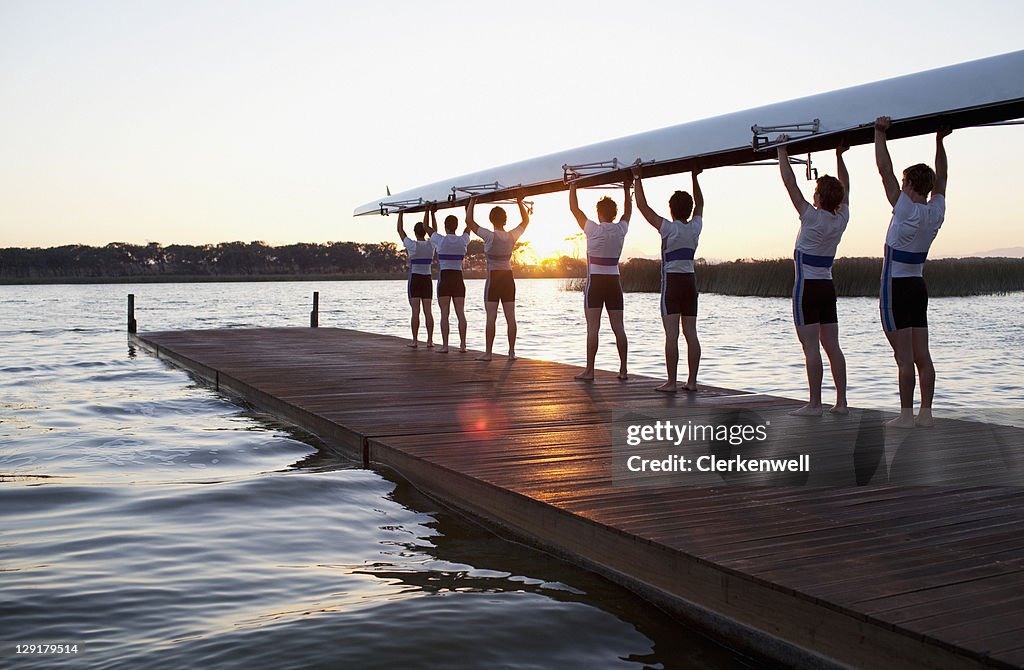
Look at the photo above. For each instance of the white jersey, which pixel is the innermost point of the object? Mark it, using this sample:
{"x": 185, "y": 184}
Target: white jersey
{"x": 911, "y": 232}
{"x": 421, "y": 255}
{"x": 451, "y": 250}
{"x": 817, "y": 241}
{"x": 679, "y": 244}
{"x": 499, "y": 245}
{"x": 604, "y": 246}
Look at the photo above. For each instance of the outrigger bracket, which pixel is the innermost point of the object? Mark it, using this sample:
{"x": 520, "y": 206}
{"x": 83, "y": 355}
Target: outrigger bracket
{"x": 760, "y": 141}
{"x": 491, "y": 187}
{"x": 528, "y": 204}
{"x": 399, "y": 205}
{"x": 571, "y": 173}
{"x": 811, "y": 171}
{"x": 474, "y": 189}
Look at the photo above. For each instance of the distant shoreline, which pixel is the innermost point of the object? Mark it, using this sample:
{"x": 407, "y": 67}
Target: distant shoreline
{"x": 771, "y": 278}
{"x": 853, "y": 277}
{"x": 194, "y": 279}
{"x": 154, "y": 263}
{"x": 216, "y": 279}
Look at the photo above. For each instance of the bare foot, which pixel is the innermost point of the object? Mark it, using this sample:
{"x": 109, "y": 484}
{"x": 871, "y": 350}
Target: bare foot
{"x": 430, "y": 345}
{"x": 667, "y": 387}
{"x": 443, "y": 349}
{"x": 512, "y": 356}
{"x": 484, "y": 357}
{"x": 623, "y": 375}
{"x": 841, "y": 410}
{"x": 586, "y": 375}
{"x": 413, "y": 345}
{"x": 903, "y": 422}
{"x": 807, "y": 410}
{"x": 924, "y": 418}
{"x": 691, "y": 387}
{"x": 462, "y": 349}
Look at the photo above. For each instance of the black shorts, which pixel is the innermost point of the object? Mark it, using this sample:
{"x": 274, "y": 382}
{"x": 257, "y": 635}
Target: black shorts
{"x": 603, "y": 291}
{"x": 906, "y": 305}
{"x": 679, "y": 294}
{"x": 500, "y": 286}
{"x": 450, "y": 283}
{"x": 814, "y": 301}
{"x": 420, "y": 287}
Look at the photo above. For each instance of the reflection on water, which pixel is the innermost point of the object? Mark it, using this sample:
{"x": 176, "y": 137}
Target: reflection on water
{"x": 748, "y": 343}
{"x": 158, "y": 524}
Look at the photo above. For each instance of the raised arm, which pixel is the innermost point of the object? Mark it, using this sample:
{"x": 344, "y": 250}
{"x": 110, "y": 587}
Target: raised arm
{"x": 426, "y": 222}
{"x": 698, "y": 195}
{"x": 789, "y": 179}
{"x": 574, "y": 206}
{"x": 641, "y": 199}
{"x": 844, "y": 174}
{"x": 523, "y": 214}
{"x": 941, "y": 162}
{"x": 401, "y": 227}
{"x": 627, "y": 207}
{"x": 470, "y": 223}
{"x": 431, "y": 226}
{"x": 884, "y": 161}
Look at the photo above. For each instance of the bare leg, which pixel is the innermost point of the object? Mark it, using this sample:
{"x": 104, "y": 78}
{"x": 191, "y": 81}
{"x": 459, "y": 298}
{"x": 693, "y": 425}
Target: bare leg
{"x": 414, "y": 303}
{"x": 445, "y": 302}
{"x": 903, "y": 350}
{"x": 428, "y": 314}
{"x": 671, "y": 325}
{"x": 808, "y": 336}
{"x": 829, "y": 336}
{"x": 510, "y": 320}
{"x": 492, "y": 318}
{"x": 692, "y": 351}
{"x": 460, "y": 313}
{"x": 619, "y": 329}
{"x": 926, "y": 373}
{"x": 593, "y": 315}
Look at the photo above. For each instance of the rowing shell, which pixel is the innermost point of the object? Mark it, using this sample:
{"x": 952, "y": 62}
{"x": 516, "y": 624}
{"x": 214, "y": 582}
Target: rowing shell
{"x": 989, "y": 90}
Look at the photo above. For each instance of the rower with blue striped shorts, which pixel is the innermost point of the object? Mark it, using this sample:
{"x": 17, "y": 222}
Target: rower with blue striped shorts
{"x": 605, "y": 238}
{"x": 501, "y": 285}
{"x": 419, "y": 289}
{"x": 679, "y": 238}
{"x": 451, "y": 288}
{"x": 814, "y": 295}
{"x": 903, "y": 299}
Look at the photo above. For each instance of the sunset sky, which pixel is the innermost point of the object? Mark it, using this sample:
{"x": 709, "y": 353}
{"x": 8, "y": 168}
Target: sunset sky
{"x": 203, "y": 122}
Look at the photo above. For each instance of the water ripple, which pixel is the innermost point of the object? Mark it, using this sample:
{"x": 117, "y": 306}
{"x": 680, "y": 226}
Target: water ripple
{"x": 163, "y": 526}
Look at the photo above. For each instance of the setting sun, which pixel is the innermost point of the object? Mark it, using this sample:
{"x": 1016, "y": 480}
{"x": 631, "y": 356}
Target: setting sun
{"x": 541, "y": 243}
{"x": 549, "y": 235}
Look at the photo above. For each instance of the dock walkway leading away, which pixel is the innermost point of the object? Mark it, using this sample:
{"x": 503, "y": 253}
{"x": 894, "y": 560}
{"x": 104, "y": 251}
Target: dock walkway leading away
{"x": 871, "y": 576}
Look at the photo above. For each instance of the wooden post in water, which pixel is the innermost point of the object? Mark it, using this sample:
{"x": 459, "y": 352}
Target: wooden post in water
{"x": 132, "y": 325}
{"x": 314, "y": 316}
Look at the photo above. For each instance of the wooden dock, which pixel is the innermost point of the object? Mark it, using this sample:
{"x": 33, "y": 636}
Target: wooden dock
{"x": 871, "y": 576}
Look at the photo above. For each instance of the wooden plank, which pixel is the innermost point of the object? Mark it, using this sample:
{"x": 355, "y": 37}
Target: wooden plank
{"x": 867, "y": 576}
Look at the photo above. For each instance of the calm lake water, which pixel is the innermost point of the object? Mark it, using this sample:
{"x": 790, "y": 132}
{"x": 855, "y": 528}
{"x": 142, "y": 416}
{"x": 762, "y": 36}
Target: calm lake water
{"x": 158, "y": 524}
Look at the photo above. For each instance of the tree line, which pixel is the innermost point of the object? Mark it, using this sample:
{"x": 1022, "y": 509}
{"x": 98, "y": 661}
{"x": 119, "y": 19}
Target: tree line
{"x": 853, "y": 276}
{"x": 120, "y": 261}
{"x": 227, "y": 259}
